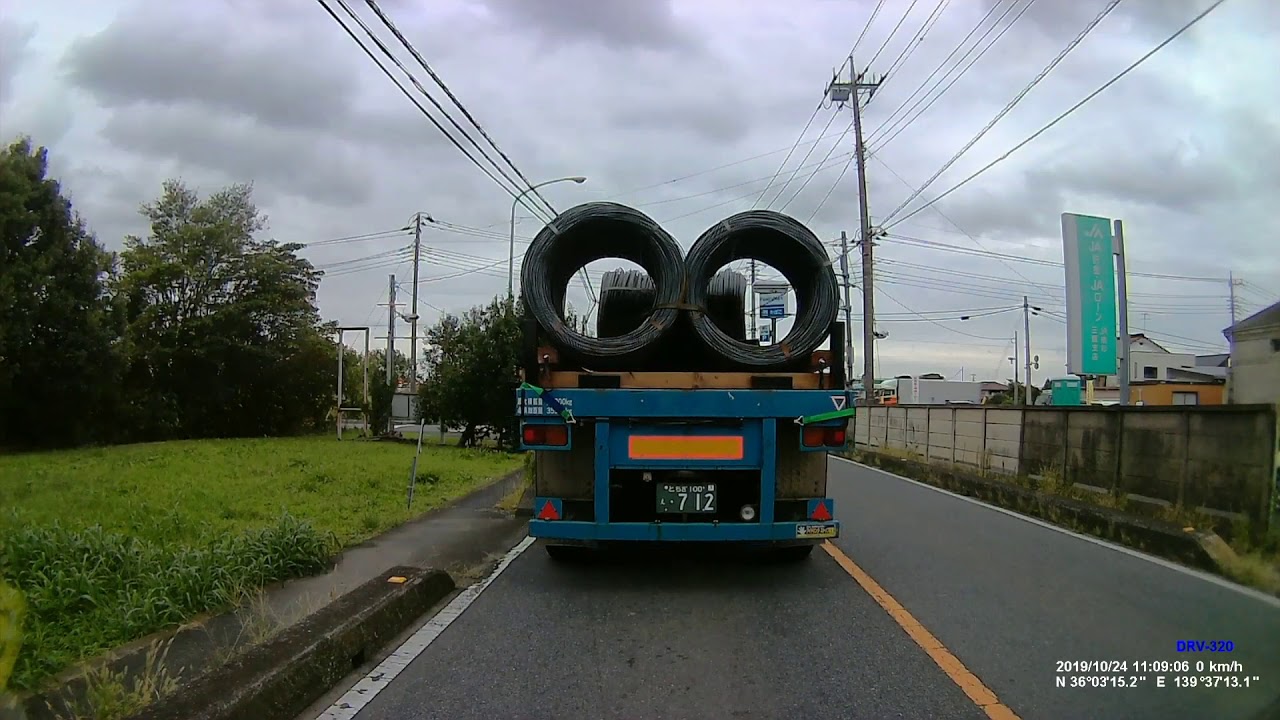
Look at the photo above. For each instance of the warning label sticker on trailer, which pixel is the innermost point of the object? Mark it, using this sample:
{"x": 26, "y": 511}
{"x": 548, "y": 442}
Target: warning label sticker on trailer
{"x": 838, "y": 401}
{"x": 529, "y": 405}
{"x": 817, "y": 531}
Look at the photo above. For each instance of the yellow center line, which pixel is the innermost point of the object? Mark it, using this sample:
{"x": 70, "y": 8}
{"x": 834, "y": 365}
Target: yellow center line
{"x": 980, "y": 694}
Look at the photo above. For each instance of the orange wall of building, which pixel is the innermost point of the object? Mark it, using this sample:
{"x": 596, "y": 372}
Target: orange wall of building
{"x": 1162, "y": 394}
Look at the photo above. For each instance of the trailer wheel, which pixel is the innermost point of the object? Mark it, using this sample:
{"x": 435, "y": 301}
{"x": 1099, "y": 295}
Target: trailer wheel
{"x": 795, "y": 553}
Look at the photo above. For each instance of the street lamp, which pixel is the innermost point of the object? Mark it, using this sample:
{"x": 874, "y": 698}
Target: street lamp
{"x": 511, "y": 256}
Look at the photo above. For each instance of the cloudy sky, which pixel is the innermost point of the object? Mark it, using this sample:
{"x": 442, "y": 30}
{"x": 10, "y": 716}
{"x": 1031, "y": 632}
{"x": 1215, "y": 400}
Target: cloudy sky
{"x": 686, "y": 110}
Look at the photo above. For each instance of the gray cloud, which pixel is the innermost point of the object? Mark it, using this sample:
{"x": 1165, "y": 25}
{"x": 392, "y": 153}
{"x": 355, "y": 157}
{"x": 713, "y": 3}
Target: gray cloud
{"x": 156, "y": 58}
{"x": 646, "y": 99}
{"x": 14, "y": 38}
{"x": 614, "y": 24}
{"x": 299, "y": 163}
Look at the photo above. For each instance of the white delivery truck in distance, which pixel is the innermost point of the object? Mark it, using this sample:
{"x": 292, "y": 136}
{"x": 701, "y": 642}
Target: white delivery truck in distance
{"x": 909, "y": 390}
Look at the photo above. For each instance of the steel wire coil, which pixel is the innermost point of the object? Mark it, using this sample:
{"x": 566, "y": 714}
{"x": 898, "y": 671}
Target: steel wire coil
{"x": 586, "y": 233}
{"x": 626, "y": 298}
{"x": 789, "y": 247}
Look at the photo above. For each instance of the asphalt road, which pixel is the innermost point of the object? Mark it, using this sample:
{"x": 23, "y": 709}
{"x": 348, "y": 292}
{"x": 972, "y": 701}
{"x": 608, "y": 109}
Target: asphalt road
{"x": 1001, "y": 601}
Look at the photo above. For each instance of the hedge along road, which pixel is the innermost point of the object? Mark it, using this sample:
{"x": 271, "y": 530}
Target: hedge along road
{"x": 929, "y": 606}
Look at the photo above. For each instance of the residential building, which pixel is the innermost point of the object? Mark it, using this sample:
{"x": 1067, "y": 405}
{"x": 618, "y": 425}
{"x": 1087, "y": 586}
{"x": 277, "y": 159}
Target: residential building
{"x": 990, "y": 389}
{"x": 1177, "y": 393}
{"x": 1255, "y": 358}
{"x": 1149, "y": 361}
{"x": 1158, "y": 376}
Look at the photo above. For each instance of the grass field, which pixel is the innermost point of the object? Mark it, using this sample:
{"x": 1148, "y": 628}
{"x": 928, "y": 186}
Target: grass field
{"x": 111, "y": 544}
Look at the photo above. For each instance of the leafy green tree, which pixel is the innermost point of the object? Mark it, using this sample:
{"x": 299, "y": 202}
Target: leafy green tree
{"x": 1007, "y": 397}
{"x": 59, "y": 363}
{"x": 471, "y": 364}
{"x": 223, "y": 334}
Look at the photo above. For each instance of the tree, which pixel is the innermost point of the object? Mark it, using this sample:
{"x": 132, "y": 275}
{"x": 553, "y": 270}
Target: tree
{"x": 59, "y": 364}
{"x": 471, "y": 378}
{"x": 1007, "y": 397}
{"x": 223, "y": 335}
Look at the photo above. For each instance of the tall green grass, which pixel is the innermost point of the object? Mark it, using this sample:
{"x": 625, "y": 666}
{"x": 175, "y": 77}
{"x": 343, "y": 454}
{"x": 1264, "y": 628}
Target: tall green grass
{"x": 89, "y": 590}
{"x": 111, "y": 544}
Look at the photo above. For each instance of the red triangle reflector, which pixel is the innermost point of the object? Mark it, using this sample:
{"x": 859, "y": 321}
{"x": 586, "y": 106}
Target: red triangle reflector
{"x": 821, "y": 513}
{"x": 548, "y": 512}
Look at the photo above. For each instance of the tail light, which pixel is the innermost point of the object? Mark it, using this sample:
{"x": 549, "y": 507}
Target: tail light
{"x": 813, "y": 436}
{"x": 548, "y": 435}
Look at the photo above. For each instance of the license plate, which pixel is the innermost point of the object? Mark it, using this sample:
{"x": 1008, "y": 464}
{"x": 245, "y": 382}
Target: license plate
{"x": 687, "y": 498}
{"x": 816, "y": 531}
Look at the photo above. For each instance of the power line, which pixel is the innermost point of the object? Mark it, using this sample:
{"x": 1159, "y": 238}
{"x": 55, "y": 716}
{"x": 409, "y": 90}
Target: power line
{"x": 791, "y": 152}
{"x": 1059, "y": 291}
{"x": 890, "y": 123}
{"x": 912, "y": 46}
{"x": 814, "y": 174}
{"x": 1038, "y": 261}
{"x": 1068, "y": 112}
{"x": 956, "y": 225}
{"x": 865, "y": 28}
{"x": 354, "y": 238}
{"x": 813, "y": 147}
{"x": 1075, "y": 42}
{"x": 892, "y": 32}
{"x": 386, "y": 71}
{"x": 848, "y": 163}
{"x": 373, "y": 5}
{"x": 944, "y": 327}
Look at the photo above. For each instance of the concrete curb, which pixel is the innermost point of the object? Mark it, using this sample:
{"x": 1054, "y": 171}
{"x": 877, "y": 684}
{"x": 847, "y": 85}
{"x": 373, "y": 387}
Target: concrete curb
{"x": 1196, "y": 548}
{"x": 282, "y": 677}
{"x": 524, "y": 509}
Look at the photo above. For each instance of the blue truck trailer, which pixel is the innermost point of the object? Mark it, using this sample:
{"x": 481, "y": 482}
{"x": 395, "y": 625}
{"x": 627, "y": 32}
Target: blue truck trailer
{"x": 719, "y": 457}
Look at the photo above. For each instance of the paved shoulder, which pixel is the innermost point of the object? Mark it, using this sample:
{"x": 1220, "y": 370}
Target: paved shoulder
{"x": 672, "y": 637}
{"x": 1013, "y": 599}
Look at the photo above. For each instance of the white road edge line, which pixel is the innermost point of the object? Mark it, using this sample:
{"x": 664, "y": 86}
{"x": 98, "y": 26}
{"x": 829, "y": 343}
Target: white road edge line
{"x": 1221, "y": 582}
{"x": 377, "y": 680}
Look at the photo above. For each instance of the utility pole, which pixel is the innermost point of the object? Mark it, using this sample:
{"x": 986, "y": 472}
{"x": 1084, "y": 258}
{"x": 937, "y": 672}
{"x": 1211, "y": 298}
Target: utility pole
{"x": 390, "y": 359}
{"x": 1026, "y": 356}
{"x": 413, "y": 310}
{"x": 1122, "y": 301}
{"x": 852, "y": 92}
{"x": 391, "y": 331}
{"x": 848, "y": 313}
{"x": 1014, "y": 360}
{"x": 1231, "y": 285}
{"x": 751, "y": 311}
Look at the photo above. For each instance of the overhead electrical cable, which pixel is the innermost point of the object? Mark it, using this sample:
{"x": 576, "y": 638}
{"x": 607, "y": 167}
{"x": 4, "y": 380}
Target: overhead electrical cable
{"x": 805, "y": 159}
{"x": 906, "y": 104}
{"x": 892, "y": 32}
{"x": 373, "y": 5}
{"x": 386, "y": 71}
{"x": 1075, "y": 42}
{"x": 1065, "y": 114}
{"x": 909, "y": 49}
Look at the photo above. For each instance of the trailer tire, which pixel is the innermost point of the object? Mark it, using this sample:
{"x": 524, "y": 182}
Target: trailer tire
{"x": 794, "y": 553}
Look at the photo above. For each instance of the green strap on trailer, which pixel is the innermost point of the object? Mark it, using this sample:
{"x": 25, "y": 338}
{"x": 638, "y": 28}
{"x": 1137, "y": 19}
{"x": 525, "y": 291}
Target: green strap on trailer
{"x": 551, "y": 402}
{"x": 823, "y": 417}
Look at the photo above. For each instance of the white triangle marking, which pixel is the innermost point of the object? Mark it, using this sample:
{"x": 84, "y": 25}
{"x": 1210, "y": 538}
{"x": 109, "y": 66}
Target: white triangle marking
{"x": 838, "y": 401}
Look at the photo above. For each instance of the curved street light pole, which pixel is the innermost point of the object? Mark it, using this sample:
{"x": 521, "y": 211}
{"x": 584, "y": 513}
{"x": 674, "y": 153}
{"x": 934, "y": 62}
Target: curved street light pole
{"x": 511, "y": 255}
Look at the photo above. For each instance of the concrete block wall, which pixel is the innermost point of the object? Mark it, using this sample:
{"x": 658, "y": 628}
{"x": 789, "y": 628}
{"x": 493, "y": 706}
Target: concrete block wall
{"x": 982, "y": 438}
{"x": 1219, "y": 459}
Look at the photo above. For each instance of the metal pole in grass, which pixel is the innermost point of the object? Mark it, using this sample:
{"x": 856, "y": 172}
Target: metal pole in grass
{"x": 413, "y": 472}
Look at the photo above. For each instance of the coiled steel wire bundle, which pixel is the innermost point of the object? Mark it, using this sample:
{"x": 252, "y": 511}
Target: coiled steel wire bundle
{"x": 790, "y": 248}
{"x": 626, "y": 297}
{"x": 586, "y": 233}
